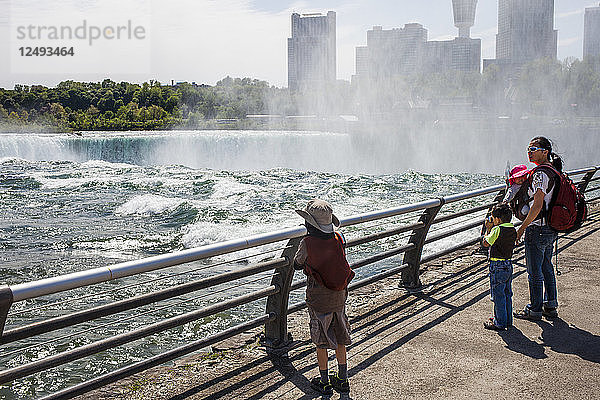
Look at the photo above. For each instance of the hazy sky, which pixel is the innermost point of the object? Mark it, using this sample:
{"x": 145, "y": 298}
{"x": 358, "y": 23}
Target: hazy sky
{"x": 205, "y": 40}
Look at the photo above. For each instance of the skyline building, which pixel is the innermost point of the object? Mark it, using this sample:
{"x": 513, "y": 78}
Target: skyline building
{"x": 403, "y": 51}
{"x": 312, "y": 50}
{"x": 395, "y": 51}
{"x": 462, "y": 53}
{"x": 591, "y": 32}
{"x": 525, "y": 33}
{"x": 464, "y": 16}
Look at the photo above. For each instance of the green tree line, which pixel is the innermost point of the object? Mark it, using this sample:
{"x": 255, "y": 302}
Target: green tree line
{"x": 109, "y": 105}
{"x": 543, "y": 87}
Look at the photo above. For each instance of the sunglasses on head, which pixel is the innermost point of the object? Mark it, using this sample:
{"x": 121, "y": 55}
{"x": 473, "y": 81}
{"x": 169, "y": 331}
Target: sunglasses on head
{"x": 532, "y": 149}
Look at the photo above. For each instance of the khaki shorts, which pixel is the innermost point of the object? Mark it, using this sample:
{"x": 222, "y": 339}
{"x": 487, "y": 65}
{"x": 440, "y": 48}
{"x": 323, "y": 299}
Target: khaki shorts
{"x": 328, "y": 330}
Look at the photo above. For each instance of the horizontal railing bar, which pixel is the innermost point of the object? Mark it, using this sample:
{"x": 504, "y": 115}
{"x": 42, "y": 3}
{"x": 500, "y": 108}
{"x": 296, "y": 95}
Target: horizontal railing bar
{"x": 383, "y": 256}
{"x": 366, "y": 261}
{"x": 299, "y": 306}
{"x": 296, "y": 307}
{"x": 356, "y": 285}
{"x": 159, "y": 359}
{"x": 390, "y": 212}
{"x": 462, "y": 213}
{"x": 452, "y": 232}
{"x": 297, "y": 285}
{"x": 137, "y": 284}
{"x": 132, "y": 316}
{"x": 594, "y": 199}
{"x": 64, "y": 321}
{"x": 596, "y": 179}
{"x": 61, "y": 283}
{"x": 592, "y": 189}
{"x": 384, "y": 234}
{"x": 127, "y": 337}
{"x": 583, "y": 170}
{"x": 377, "y": 277}
{"x": 449, "y": 250}
{"x": 492, "y": 189}
{"x": 473, "y": 193}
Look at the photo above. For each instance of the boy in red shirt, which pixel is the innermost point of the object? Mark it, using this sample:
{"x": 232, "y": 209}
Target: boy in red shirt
{"x": 322, "y": 258}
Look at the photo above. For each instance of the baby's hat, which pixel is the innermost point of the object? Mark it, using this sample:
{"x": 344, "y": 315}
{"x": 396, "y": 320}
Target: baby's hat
{"x": 517, "y": 172}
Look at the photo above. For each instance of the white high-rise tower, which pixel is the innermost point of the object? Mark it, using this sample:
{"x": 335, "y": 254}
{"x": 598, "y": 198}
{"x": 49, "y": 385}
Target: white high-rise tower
{"x": 591, "y": 35}
{"x": 312, "y": 51}
{"x": 464, "y": 16}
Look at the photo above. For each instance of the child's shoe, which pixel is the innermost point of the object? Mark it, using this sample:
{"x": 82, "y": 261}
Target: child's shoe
{"x": 340, "y": 385}
{"x": 491, "y": 325}
{"x": 319, "y": 386}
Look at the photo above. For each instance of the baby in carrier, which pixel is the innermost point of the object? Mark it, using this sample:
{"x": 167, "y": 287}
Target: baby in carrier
{"x": 516, "y": 194}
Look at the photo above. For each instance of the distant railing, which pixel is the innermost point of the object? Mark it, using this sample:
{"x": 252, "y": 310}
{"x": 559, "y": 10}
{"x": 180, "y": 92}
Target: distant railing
{"x": 412, "y": 233}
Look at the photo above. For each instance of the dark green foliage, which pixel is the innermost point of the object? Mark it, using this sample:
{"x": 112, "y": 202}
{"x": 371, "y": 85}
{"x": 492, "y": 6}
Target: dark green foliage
{"x": 109, "y": 105}
{"x": 545, "y": 87}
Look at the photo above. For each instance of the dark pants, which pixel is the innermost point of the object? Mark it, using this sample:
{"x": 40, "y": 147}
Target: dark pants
{"x": 538, "y": 254}
{"x": 501, "y": 275}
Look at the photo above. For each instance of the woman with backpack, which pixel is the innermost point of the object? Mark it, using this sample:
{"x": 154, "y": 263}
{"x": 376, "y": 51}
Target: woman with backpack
{"x": 539, "y": 237}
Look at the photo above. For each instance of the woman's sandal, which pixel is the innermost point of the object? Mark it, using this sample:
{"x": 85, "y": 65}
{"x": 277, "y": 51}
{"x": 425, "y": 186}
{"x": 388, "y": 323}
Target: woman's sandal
{"x": 526, "y": 314}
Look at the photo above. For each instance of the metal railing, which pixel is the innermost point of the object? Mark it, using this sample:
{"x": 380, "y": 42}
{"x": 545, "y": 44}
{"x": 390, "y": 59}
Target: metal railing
{"x": 411, "y": 232}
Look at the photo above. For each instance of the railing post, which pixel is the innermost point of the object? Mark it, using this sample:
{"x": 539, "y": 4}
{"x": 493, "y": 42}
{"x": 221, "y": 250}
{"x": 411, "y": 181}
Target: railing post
{"x": 6, "y": 300}
{"x": 586, "y": 180}
{"x": 276, "y": 335}
{"x": 410, "y": 275}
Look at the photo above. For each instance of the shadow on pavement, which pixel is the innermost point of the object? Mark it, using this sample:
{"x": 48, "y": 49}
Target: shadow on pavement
{"x": 558, "y": 335}
{"x": 519, "y": 343}
{"x": 566, "y": 338}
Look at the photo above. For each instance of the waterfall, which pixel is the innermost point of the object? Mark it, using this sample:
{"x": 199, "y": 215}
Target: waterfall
{"x": 220, "y": 150}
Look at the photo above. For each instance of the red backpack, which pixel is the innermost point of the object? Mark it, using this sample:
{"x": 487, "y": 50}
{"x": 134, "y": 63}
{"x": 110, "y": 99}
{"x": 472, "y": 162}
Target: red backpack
{"x": 567, "y": 208}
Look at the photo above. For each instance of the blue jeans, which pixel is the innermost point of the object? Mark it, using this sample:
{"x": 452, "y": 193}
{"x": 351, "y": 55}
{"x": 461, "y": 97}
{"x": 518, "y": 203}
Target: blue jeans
{"x": 501, "y": 275}
{"x": 538, "y": 255}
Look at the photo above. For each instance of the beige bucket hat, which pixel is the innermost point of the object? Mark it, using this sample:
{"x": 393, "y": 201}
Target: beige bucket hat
{"x": 319, "y": 214}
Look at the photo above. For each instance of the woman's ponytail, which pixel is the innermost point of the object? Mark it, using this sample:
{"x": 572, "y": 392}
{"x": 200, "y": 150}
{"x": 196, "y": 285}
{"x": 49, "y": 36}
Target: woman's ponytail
{"x": 556, "y": 161}
{"x": 546, "y": 144}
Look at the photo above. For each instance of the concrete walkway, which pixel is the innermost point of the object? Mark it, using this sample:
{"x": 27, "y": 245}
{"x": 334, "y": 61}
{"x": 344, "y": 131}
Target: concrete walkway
{"x": 430, "y": 345}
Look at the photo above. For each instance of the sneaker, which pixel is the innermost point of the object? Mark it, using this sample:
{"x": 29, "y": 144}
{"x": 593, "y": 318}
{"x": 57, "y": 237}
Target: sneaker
{"x": 526, "y": 314}
{"x": 323, "y": 388}
{"x": 340, "y": 385}
{"x": 549, "y": 313}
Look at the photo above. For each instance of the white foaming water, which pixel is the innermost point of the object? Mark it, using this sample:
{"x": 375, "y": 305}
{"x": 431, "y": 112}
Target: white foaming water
{"x": 148, "y": 204}
{"x": 204, "y": 233}
{"x": 134, "y": 195}
{"x": 37, "y": 147}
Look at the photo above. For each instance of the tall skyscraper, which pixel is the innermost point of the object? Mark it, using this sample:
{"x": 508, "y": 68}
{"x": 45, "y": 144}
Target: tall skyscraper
{"x": 464, "y": 16}
{"x": 525, "y": 30}
{"x": 312, "y": 51}
{"x": 591, "y": 33}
